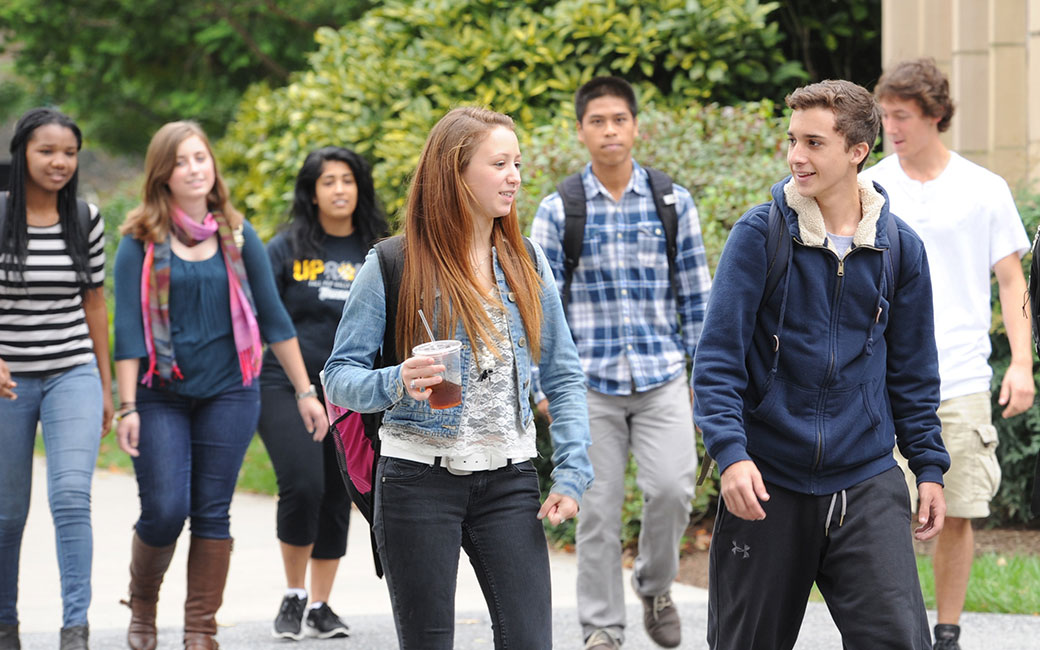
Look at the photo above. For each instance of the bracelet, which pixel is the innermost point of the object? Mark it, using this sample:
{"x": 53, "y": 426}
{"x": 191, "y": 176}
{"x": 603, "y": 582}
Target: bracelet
{"x": 125, "y": 405}
{"x": 310, "y": 392}
{"x": 123, "y": 414}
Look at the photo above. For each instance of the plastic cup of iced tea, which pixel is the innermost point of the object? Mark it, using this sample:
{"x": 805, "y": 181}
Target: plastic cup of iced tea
{"x": 446, "y": 353}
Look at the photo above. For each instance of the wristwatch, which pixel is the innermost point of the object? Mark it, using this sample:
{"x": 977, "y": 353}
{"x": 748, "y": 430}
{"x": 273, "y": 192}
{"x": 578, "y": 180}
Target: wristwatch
{"x": 310, "y": 392}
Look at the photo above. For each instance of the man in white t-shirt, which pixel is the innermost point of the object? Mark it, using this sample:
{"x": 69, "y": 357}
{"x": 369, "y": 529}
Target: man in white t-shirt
{"x": 967, "y": 219}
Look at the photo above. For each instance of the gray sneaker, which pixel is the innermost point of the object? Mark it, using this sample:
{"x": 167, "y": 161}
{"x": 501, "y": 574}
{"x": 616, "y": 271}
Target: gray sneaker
{"x": 602, "y": 640}
{"x": 661, "y": 618}
{"x": 288, "y": 624}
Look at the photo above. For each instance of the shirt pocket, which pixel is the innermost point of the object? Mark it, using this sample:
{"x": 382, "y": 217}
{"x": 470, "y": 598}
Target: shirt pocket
{"x": 651, "y": 249}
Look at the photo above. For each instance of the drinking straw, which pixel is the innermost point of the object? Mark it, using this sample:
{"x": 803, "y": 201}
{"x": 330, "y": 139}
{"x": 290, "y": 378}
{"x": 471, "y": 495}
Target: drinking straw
{"x": 427, "y": 326}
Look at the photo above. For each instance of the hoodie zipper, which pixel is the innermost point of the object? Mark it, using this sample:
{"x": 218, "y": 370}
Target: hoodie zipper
{"x": 832, "y": 333}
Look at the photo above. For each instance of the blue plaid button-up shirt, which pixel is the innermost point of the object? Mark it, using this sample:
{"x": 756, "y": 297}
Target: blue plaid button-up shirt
{"x": 632, "y": 332}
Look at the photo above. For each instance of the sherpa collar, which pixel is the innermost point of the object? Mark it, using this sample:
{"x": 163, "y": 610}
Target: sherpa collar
{"x": 810, "y": 219}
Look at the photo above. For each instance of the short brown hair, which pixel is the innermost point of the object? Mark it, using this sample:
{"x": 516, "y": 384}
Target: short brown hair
{"x": 922, "y": 81}
{"x": 856, "y": 113}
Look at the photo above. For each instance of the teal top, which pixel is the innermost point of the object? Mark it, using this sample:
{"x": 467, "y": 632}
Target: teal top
{"x": 200, "y": 315}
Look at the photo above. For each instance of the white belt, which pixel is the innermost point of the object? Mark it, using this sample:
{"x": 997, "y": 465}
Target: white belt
{"x": 460, "y": 465}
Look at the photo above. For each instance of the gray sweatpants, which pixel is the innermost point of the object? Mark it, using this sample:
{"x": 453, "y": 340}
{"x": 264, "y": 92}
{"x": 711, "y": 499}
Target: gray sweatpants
{"x": 657, "y": 427}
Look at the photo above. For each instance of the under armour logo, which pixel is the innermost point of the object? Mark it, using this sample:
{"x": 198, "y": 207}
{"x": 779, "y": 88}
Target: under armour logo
{"x": 741, "y": 549}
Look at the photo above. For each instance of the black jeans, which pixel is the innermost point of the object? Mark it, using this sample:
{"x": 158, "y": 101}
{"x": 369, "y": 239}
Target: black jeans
{"x": 760, "y": 572}
{"x": 424, "y": 515}
{"x": 313, "y": 505}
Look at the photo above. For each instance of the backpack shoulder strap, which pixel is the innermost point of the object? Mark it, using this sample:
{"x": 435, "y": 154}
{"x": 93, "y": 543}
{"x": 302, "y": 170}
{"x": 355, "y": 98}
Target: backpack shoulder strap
{"x": 391, "y": 263}
{"x": 664, "y": 200}
{"x": 572, "y": 193}
{"x": 83, "y": 215}
{"x": 778, "y": 243}
{"x": 894, "y": 255}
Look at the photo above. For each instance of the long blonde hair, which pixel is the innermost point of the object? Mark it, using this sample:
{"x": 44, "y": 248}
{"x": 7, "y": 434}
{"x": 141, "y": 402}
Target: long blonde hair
{"x": 438, "y": 233}
{"x": 150, "y": 221}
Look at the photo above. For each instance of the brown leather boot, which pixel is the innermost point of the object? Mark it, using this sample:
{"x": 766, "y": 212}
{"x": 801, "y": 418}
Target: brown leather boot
{"x": 148, "y": 565}
{"x": 208, "y": 561}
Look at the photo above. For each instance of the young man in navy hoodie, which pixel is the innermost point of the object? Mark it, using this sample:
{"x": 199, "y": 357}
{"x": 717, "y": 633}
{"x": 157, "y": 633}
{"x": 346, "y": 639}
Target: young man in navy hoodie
{"x": 801, "y": 393}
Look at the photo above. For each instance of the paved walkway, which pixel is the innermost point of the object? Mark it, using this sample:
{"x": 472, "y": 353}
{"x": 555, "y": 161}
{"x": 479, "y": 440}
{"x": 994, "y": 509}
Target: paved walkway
{"x": 256, "y": 583}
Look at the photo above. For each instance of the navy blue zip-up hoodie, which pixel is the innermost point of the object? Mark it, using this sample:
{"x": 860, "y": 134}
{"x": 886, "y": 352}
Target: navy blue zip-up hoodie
{"x": 851, "y": 374}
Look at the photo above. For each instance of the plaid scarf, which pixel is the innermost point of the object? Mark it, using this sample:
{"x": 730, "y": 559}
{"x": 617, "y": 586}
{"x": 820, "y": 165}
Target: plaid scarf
{"x": 155, "y": 298}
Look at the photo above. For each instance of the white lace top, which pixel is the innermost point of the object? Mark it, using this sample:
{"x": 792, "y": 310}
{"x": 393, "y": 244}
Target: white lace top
{"x": 490, "y": 418}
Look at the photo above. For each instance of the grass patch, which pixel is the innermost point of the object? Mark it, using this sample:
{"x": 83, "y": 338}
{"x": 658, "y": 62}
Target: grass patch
{"x": 1000, "y": 584}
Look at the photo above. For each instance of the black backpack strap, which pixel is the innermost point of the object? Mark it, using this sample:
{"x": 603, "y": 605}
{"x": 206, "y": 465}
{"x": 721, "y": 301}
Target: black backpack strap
{"x": 778, "y": 244}
{"x": 391, "y": 263}
{"x": 664, "y": 201}
{"x": 572, "y": 193}
{"x": 83, "y": 215}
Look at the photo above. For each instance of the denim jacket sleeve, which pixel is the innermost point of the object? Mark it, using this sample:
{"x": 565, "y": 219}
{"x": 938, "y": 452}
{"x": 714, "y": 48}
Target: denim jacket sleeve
{"x": 563, "y": 382}
{"x": 350, "y": 380}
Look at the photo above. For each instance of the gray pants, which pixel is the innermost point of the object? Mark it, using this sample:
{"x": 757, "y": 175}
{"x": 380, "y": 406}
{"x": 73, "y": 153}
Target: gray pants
{"x": 657, "y": 428}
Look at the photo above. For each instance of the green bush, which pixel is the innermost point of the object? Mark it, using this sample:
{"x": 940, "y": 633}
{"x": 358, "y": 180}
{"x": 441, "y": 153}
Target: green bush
{"x": 1019, "y": 442}
{"x": 379, "y": 84}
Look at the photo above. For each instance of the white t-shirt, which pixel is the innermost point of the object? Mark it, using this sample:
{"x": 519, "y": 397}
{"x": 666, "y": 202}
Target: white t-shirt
{"x": 968, "y": 221}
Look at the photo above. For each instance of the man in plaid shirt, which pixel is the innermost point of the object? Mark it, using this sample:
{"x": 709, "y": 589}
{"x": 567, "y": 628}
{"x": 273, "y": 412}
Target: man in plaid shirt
{"x": 634, "y": 334}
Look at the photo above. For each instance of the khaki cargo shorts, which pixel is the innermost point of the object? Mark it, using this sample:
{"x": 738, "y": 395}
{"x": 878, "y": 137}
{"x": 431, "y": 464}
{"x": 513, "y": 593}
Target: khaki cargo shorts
{"x": 971, "y": 440}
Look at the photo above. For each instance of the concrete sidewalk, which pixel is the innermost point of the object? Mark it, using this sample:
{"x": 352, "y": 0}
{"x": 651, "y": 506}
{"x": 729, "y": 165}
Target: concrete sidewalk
{"x": 256, "y": 583}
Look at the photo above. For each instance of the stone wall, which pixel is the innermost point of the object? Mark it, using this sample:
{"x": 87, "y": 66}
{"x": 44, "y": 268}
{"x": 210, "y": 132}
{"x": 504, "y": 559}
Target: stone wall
{"x": 991, "y": 51}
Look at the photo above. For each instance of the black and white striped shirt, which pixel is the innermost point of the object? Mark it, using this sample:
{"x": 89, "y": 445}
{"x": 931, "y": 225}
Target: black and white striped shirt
{"x": 43, "y": 328}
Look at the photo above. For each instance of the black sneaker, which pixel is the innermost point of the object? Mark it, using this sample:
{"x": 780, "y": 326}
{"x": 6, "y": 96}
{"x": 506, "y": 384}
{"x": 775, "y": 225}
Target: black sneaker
{"x": 288, "y": 623}
{"x": 946, "y": 637}
{"x": 323, "y": 623}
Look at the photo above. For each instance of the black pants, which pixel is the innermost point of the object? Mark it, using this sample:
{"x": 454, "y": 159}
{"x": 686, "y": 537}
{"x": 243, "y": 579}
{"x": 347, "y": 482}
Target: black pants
{"x": 313, "y": 505}
{"x": 761, "y": 572}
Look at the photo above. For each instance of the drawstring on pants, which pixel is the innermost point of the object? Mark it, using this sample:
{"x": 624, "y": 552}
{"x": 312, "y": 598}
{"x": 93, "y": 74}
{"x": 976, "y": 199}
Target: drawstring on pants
{"x": 830, "y": 513}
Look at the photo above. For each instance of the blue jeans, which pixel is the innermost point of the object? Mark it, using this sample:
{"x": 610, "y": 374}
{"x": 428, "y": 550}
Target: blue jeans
{"x": 191, "y": 451}
{"x": 424, "y": 515}
{"x": 68, "y": 407}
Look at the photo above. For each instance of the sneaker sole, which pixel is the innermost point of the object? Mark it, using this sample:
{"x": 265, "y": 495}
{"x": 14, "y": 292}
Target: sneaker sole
{"x": 288, "y": 636}
{"x": 338, "y": 633}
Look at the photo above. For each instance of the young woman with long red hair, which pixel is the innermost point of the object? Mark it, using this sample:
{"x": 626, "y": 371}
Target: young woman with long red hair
{"x": 194, "y": 295}
{"x": 461, "y": 476}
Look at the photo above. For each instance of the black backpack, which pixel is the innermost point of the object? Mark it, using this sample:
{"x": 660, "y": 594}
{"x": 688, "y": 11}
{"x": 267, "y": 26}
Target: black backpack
{"x": 572, "y": 193}
{"x": 391, "y": 263}
{"x": 1034, "y": 306}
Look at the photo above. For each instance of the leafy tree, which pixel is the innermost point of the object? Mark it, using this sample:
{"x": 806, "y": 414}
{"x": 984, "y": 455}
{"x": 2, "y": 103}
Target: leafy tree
{"x": 833, "y": 39}
{"x": 379, "y": 84}
{"x": 124, "y": 67}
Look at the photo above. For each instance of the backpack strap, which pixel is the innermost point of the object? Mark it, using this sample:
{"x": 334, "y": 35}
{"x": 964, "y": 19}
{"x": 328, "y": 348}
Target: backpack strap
{"x": 572, "y": 193}
{"x": 664, "y": 201}
{"x": 391, "y": 262}
{"x": 778, "y": 245}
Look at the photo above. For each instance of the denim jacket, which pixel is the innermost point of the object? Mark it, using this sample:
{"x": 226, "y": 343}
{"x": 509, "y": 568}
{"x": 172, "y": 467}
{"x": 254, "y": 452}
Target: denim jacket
{"x": 351, "y": 381}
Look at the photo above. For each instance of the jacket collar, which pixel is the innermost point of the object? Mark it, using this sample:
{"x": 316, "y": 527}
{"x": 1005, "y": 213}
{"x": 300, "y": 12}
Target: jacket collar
{"x": 811, "y": 228}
